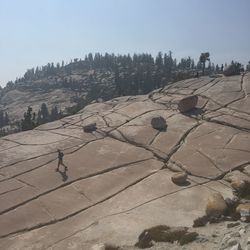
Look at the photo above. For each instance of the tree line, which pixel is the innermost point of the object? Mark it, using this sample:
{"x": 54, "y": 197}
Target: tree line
{"x": 32, "y": 119}
{"x": 132, "y": 74}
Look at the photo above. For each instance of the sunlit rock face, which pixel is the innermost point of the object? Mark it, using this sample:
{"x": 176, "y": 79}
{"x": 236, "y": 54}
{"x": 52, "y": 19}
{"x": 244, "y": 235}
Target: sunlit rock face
{"x": 119, "y": 178}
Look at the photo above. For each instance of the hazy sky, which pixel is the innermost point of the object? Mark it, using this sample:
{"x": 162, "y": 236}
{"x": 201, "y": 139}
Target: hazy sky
{"x": 33, "y": 33}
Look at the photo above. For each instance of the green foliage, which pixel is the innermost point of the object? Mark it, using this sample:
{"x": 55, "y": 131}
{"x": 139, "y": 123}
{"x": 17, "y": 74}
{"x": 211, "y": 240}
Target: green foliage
{"x": 28, "y": 123}
{"x": 4, "y": 119}
{"x": 203, "y": 58}
{"x": 131, "y": 75}
{"x": 44, "y": 113}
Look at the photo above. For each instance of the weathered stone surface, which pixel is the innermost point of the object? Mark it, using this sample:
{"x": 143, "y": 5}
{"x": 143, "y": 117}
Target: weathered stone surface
{"x": 216, "y": 205}
{"x": 120, "y": 175}
{"x": 187, "y": 103}
{"x": 233, "y": 224}
{"x": 246, "y": 170}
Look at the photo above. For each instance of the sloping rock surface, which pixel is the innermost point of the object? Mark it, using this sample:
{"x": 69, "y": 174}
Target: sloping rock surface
{"x": 119, "y": 177}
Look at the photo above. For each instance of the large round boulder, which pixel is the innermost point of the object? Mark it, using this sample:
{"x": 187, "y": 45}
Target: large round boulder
{"x": 159, "y": 123}
{"x": 216, "y": 205}
{"x": 188, "y": 103}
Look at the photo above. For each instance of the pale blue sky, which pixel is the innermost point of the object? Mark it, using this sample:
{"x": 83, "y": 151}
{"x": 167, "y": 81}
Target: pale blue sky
{"x": 33, "y": 33}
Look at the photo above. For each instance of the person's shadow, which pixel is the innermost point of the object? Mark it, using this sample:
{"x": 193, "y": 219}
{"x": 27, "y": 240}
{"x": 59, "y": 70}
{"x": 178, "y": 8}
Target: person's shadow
{"x": 63, "y": 173}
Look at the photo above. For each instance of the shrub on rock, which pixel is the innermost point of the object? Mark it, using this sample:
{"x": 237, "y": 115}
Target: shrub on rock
{"x": 188, "y": 103}
{"x": 188, "y": 237}
{"x": 233, "y": 69}
{"x": 163, "y": 233}
{"x": 200, "y": 221}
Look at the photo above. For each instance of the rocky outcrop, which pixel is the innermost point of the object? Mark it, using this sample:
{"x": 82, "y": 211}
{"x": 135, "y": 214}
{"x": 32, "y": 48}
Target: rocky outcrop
{"x": 119, "y": 176}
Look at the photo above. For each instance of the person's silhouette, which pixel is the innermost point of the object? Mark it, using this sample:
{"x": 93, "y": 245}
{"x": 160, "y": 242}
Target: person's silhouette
{"x": 60, "y": 160}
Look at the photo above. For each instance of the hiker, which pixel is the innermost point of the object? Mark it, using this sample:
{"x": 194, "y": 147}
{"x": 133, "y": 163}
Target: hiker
{"x": 60, "y": 160}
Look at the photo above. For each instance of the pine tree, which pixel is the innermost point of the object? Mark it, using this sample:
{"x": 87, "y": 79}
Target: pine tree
{"x": 6, "y": 119}
{"x": 54, "y": 114}
{"x": 203, "y": 58}
{"x": 27, "y": 123}
{"x": 1, "y": 119}
{"x": 44, "y": 113}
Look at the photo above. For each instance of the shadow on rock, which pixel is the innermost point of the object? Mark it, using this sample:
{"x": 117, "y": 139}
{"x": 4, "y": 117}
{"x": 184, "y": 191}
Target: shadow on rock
{"x": 64, "y": 175}
{"x": 194, "y": 112}
{"x": 183, "y": 184}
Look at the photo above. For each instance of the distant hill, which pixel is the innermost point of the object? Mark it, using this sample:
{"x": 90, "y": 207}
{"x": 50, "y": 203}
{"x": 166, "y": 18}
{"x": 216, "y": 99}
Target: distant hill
{"x": 71, "y": 86}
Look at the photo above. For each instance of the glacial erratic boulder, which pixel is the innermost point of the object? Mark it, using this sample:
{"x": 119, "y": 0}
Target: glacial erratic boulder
{"x": 89, "y": 127}
{"x": 216, "y": 205}
{"x": 179, "y": 178}
{"x": 159, "y": 123}
{"x": 188, "y": 103}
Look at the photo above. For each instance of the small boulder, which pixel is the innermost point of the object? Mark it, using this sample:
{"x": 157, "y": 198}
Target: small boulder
{"x": 236, "y": 175}
{"x": 244, "y": 210}
{"x": 216, "y": 205}
{"x": 179, "y": 178}
{"x": 159, "y": 123}
{"x": 240, "y": 186}
{"x": 188, "y": 103}
{"x": 246, "y": 170}
{"x": 89, "y": 127}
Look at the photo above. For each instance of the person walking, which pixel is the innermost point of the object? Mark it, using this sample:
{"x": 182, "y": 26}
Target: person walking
{"x": 60, "y": 160}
